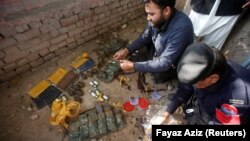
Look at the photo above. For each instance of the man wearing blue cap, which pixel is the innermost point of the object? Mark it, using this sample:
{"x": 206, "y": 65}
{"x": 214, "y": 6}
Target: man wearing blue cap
{"x": 165, "y": 38}
{"x": 221, "y": 88}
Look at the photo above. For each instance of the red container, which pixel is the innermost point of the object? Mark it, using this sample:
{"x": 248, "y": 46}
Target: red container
{"x": 143, "y": 103}
{"x": 128, "y": 107}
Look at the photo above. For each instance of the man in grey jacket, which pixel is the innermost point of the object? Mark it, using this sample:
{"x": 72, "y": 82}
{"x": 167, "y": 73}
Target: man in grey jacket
{"x": 166, "y": 36}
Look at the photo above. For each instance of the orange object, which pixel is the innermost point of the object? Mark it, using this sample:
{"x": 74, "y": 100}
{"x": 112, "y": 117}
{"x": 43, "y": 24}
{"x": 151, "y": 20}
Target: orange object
{"x": 61, "y": 110}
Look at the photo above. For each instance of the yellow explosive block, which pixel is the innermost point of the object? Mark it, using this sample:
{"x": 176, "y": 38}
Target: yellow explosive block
{"x": 80, "y": 60}
{"x": 58, "y": 75}
{"x": 39, "y": 88}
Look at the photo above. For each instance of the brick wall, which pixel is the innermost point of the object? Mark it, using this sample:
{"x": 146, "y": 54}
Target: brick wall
{"x": 33, "y": 32}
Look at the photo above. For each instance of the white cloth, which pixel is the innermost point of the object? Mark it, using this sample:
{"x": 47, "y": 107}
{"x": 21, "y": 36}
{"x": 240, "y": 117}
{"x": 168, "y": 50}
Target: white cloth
{"x": 213, "y": 29}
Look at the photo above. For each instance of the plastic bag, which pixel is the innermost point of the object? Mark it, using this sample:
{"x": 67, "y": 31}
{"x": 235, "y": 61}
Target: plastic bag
{"x": 154, "y": 116}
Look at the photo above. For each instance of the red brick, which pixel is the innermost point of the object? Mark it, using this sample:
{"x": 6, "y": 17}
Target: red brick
{"x": 23, "y": 69}
{"x": 103, "y": 31}
{"x": 77, "y": 9}
{"x": 99, "y": 10}
{"x": 70, "y": 20}
{"x": 9, "y": 67}
{"x": 23, "y": 45}
{"x": 7, "y": 31}
{"x": 81, "y": 41}
{"x": 44, "y": 52}
{"x": 61, "y": 51}
{"x": 34, "y": 41}
{"x": 72, "y": 45}
{"x": 98, "y": 28}
{"x": 58, "y": 15}
{"x": 92, "y": 30}
{"x": 11, "y": 50}
{"x": 27, "y": 35}
{"x": 1, "y": 72}
{"x": 124, "y": 2}
{"x": 85, "y": 14}
{"x": 7, "y": 76}
{"x": 124, "y": 7}
{"x": 41, "y": 46}
{"x": 78, "y": 37}
{"x": 102, "y": 21}
{"x": 107, "y": 2}
{"x": 93, "y": 5}
{"x": 36, "y": 62}
{"x": 59, "y": 39}
{"x": 53, "y": 48}
{"x": 90, "y": 25}
{"x": 35, "y": 24}
{"x": 114, "y": 5}
{"x": 102, "y": 15}
{"x": 21, "y": 28}
{"x": 101, "y": 3}
{"x": 84, "y": 34}
{"x": 114, "y": 25}
{"x": 22, "y": 62}
{"x": 92, "y": 36}
{"x": 45, "y": 37}
{"x": 67, "y": 13}
{"x": 76, "y": 31}
{"x": 1, "y": 63}
{"x": 70, "y": 40}
{"x": 129, "y": 5}
{"x": 49, "y": 56}
{"x": 6, "y": 42}
{"x": 45, "y": 28}
{"x": 54, "y": 33}
{"x": 80, "y": 23}
{"x": 15, "y": 56}
{"x": 62, "y": 44}
{"x": 2, "y": 54}
{"x": 33, "y": 56}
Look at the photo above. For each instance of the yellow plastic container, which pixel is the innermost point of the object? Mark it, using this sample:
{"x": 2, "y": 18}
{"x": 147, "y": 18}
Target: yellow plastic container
{"x": 80, "y": 60}
{"x": 58, "y": 75}
{"x": 39, "y": 88}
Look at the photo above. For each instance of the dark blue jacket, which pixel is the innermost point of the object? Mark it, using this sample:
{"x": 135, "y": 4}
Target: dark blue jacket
{"x": 233, "y": 88}
{"x": 170, "y": 42}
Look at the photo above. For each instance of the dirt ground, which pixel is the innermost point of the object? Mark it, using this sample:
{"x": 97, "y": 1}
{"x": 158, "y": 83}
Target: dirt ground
{"x": 20, "y": 121}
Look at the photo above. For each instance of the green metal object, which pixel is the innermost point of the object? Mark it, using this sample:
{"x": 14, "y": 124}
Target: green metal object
{"x": 111, "y": 123}
{"x": 93, "y": 125}
{"x": 102, "y": 124}
{"x": 96, "y": 122}
{"x": 119, "y": 118}
{"x": 109, "y": 71}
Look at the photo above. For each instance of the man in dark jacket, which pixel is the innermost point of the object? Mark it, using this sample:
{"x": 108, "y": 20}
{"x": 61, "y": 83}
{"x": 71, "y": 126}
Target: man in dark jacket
{"x": 166, "y": 36}
{"x": 213, "y": 20}
{"x": 221, "y": 88}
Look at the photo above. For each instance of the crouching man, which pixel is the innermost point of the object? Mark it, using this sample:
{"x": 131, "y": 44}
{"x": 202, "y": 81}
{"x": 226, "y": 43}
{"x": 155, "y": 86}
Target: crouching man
{"x": 217, "y": 90}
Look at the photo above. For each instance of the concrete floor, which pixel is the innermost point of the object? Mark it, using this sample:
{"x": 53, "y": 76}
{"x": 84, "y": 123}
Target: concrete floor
{"x": 16, "y": 123}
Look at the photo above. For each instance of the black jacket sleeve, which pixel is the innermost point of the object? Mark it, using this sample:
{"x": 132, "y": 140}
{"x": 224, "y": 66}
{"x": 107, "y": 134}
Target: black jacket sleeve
{"x": 183, "y": 94}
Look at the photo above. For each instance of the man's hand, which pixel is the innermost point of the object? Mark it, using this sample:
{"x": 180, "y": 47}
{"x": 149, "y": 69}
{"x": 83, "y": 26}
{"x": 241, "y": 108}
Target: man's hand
{"x": 127, "y": 66}
{"x": 247, "y": 4}
{"x": 166, "y": 115}
{"x": 121, "y": 54}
